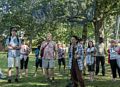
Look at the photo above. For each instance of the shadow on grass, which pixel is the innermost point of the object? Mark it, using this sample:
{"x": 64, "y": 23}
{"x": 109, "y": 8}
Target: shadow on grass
{"x": 38, "y": 81}
{"x": 103, "y": 83}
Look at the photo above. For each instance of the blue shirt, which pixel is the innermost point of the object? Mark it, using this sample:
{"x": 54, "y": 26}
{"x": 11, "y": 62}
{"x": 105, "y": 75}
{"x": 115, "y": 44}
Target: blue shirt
{"x": 37, "y": 52}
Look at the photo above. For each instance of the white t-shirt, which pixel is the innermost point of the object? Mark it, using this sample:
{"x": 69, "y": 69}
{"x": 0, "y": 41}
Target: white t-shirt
{"x": 101, "y": 50}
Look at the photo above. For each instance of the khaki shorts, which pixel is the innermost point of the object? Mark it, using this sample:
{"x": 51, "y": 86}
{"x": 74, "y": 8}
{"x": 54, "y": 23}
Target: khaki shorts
{"x": 48, "y": 63}
{"x": 13, "y": 62}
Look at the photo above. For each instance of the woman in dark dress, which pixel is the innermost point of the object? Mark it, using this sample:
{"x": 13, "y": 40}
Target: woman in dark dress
{"x": 76, "y": 63}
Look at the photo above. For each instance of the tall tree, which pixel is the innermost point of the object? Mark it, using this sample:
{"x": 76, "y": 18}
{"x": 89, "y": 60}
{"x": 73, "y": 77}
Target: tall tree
{"x": 103, "y": 9}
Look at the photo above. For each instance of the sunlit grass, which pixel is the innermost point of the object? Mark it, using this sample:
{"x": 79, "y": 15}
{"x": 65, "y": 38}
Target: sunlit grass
{"x": 61, "y": 79}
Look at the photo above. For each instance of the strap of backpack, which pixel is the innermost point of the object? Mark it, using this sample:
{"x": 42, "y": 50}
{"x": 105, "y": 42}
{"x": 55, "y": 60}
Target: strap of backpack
{"x": 9, "y": 38}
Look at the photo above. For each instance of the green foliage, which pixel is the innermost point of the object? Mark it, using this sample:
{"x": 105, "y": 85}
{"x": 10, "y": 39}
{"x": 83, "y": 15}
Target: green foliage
{"x": 60, "y": 17}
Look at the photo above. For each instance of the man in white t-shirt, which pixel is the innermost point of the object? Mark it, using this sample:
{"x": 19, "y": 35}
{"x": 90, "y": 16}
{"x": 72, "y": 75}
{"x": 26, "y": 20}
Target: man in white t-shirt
{"x": 100, "y": 57}
{"x": 48, "y": 48}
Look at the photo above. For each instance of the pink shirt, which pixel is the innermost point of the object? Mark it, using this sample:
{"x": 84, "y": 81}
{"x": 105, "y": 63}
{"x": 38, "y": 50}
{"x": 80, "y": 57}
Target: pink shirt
{"x": 24, "y": 52}
{"x": 49, "y": 49}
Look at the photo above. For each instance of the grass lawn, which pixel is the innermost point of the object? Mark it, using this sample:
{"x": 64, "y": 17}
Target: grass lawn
{"x": 61, "y": 79}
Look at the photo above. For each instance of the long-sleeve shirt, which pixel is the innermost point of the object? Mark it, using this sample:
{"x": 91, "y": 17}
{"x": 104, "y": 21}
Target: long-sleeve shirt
{"x": 79, "y": 59}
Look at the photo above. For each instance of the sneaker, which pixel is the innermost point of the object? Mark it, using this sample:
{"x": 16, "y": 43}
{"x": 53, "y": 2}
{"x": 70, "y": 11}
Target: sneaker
{"x": 53, "y": 79}
{"x": 96, "y": 74}
{"x": 113, "y": 79}
{"x": 16, "y": 80}
{"x": 26, "y": 76}
{"x": 103, "y": 74}
{"x": 35, "y": 75}
{"x": 47, "y": 79}
{"x": 21, "y": 76}
{"x": 9, "y": 80}
{"x": 92, "y": 80}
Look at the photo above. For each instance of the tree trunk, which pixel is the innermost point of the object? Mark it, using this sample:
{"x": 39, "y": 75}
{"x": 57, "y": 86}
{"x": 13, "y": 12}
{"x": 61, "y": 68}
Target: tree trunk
{"x": 84, "y": 33}
{"x": 99, "y": 30}
{"x": 117, "y": 27}
{"x": 30, "y": 42}
{"x": 84, "y": 37}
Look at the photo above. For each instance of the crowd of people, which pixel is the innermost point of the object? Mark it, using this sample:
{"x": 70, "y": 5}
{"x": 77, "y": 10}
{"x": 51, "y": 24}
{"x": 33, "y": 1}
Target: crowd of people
{"x": 78, "y": 56}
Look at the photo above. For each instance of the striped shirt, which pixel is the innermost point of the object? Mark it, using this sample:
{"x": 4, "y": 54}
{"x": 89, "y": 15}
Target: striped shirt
{"x": 79, "y": 59}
